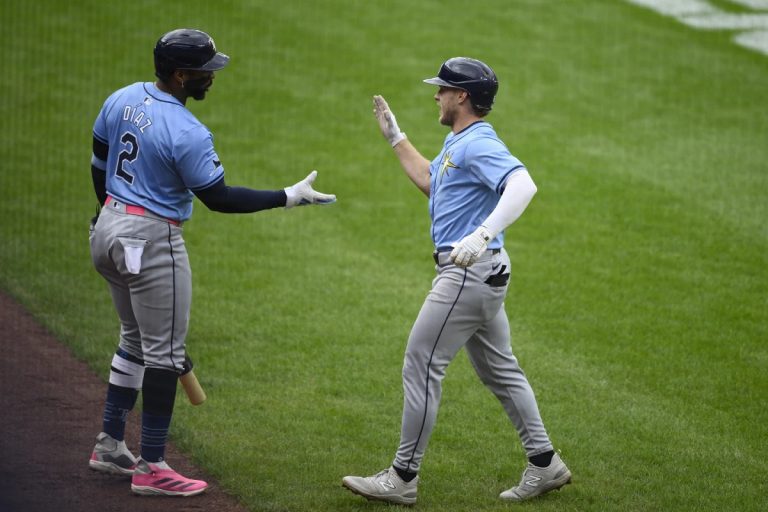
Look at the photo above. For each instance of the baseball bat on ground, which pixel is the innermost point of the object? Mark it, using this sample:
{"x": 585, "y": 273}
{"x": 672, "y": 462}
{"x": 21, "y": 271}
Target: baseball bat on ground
{"x": 191, "y": 386}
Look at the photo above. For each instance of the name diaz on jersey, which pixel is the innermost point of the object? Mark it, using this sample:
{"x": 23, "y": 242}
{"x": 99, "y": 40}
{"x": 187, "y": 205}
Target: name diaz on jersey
{"x": 133, "y": 115}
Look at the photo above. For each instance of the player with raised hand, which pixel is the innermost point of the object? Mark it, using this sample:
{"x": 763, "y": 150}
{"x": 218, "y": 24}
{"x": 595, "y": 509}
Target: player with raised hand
{"x": 476, "y": 189}
{"x": 151, "y": 157}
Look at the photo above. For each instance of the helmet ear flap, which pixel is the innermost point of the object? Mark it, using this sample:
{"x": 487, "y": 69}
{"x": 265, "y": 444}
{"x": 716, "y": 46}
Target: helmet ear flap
{"x": 163, "y": 68}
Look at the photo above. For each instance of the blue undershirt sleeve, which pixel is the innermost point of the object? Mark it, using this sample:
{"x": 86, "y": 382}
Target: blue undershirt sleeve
{"x": 222, "y": 198}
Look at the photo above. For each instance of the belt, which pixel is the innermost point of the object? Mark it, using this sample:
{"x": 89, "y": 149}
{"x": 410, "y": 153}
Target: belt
{"x": 439, "y": 255}
{"x": 132, "y": 209}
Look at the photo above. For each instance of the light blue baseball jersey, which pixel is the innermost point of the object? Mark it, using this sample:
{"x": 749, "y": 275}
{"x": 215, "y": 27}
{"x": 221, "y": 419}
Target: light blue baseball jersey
{"x": 466, "y": 180}
{"x": 158, "y": 150}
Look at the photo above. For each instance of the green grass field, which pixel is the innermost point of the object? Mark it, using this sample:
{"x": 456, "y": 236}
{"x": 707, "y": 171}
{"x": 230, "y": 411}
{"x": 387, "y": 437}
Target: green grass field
{"x": 639, "y": 300}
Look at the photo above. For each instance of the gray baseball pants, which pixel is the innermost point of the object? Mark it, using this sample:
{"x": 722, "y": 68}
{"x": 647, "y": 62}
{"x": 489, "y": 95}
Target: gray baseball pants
{"x": 145, "y": 262}
{"x": 464, "y": 309}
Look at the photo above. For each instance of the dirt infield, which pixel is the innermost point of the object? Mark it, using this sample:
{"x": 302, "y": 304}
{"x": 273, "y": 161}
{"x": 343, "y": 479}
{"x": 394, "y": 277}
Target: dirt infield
{"x": 51, "y": 406}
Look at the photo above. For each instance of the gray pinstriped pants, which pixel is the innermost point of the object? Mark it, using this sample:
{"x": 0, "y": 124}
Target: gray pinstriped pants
{"x": 462, "y": 310}
{"x": 153, "y": 305}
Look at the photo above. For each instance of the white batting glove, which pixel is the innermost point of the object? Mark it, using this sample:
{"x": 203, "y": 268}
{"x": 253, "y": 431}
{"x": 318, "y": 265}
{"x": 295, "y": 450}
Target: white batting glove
{"x": 387, "y": 121}
{"x": 469, "y": 249}
{"x": 302, "y": 193}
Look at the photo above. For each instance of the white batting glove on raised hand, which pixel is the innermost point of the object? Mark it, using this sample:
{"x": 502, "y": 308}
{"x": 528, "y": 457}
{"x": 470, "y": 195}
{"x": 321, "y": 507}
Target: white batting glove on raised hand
{"x": 469, "y": 249}
{"x": 387, "y": 121}
{"x": 302, "y": 193}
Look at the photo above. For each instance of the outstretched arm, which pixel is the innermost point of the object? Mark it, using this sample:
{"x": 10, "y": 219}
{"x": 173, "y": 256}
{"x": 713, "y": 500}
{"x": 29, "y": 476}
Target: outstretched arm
{"x": 222, "y": 198}
{"x": 413, "y": 162}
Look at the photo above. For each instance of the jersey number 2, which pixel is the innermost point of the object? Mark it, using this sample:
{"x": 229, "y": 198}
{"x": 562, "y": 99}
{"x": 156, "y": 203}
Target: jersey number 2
{"x": 128, "y": 154}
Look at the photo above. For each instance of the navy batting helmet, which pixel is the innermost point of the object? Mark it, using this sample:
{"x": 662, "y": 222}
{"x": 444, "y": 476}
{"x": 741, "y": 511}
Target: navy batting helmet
{"x": 471, "y": 75}
{"x": 187, "y": 48}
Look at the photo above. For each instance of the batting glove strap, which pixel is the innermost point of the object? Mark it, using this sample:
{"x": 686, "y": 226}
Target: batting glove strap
{"x": 469, "y": 249}
{"x": 397, "y": 139}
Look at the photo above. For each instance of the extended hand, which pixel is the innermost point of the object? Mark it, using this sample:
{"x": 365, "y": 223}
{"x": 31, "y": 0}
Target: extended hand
{"x": 302, "y": 193}
{"x": 466, "y": 252}
{"x": 387, "y": 121}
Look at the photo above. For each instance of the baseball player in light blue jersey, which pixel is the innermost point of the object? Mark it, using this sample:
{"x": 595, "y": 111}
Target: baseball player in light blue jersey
{"x": 476, "y": 189}
{"x": 151, "y": 157}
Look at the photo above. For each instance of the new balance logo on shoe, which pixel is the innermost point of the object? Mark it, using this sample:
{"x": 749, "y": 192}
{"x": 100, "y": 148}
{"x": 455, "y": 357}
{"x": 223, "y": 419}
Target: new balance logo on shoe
{"x": 533, "y": 481}
{"x": 388, "y": 484}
